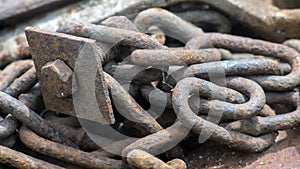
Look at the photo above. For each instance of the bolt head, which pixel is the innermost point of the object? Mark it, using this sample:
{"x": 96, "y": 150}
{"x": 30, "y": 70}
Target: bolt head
{"x": 59, "y": 77}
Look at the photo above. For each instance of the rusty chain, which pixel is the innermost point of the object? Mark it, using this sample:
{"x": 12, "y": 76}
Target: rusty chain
{"x": 140, "y": 69}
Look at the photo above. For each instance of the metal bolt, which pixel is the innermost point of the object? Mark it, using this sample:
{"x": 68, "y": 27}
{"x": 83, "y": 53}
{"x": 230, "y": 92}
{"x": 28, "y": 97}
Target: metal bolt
{"x": 59, "y": 75}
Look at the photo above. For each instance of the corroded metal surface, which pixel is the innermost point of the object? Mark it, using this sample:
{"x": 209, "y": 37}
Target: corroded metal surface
{"x": 143, "y": 160}
{"x": 134, "y": 111}
{"x": 271, "y": 22}
{"x": 23, "y": 83}
{"x": 278, "y": 24}
{"x": 8, "y": 126}
{"x": 130, "y": 106}
{"x": 20, "y": 111}
{"x": 241, "y": 44}
{"x": 9, "y": 141}
{"x": 260, "y": 125}
{"x": 20, "y": 160}
{"x": 166, "y": 109}
{"x": 33, "y": 99}
{"x": 175, "y": 57}
{"x": 168, "y": 22}
{"x": 47, "y": 47}
{"x": 93, "y": 11}
{"x": 58, "y": 77}
{"x": 12, "y": 71}
{"x": 234, "y": 67}
{"x": 111, "y": 35}
{"x": 218, "y": 134}
{"x": 66, "y": 153}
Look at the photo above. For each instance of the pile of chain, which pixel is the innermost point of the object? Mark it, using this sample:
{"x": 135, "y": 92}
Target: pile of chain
{"x": 168, "y": 82}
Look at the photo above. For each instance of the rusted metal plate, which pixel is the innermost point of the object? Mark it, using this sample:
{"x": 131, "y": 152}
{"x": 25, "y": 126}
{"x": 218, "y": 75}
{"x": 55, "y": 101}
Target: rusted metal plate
{"x": 55, "y": 57}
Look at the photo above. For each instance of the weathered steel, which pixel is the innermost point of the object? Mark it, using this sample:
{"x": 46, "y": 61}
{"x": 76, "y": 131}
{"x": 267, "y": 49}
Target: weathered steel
{"x": 127, "y": 73}
{"x": 5, "y": 58}
{"x": 33, "y": 99}
{"x": 78, "y": 136}
{"x": 121, "y": 22}
{"x": 157, "y": 34}
{"x": 245, "y": 110}
{"x": 111, "y": 35}
{"x": 56, "y": 55}
{"x": 163, "y": 99}
{"x": 8, "y": 126}
{"x": 23, "y": 83}
{"x": 244, "y": 67}
{"x": 259, "y": 47}
{"x": 12, "y": 71}
{"x": 115, "y": 51}
{"x": 10, "y": 105}
{"x": 174, "y": 57}
{"x": 205, "y": 18}
{"x": 293, "y": 43}
{"x": 129, "y": 106}
{"x": 9, "y": 141}
{"x": 143, "y": 160}
{"x": 58, "y": 77}
{"x": 219, "y": 134}
{"x": 67, "y": 121}
{"x": 168, "y": 22}
{"x": 271, "y": 22}
{"x": 232, "y": 96}
{"x": 19, "y": 160}
{"x": 177, "y": 164}
{"x": 22, "y": 51}
{"x": 70, "y": 127}
{"x": 160, "y": 141}
{"x": 134, "y": 111}
{"x": 65, "y": 153}
{"x": 87, "y": 11}
{"x": 260, "y": 125}
{"x": 47, "y": 47}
